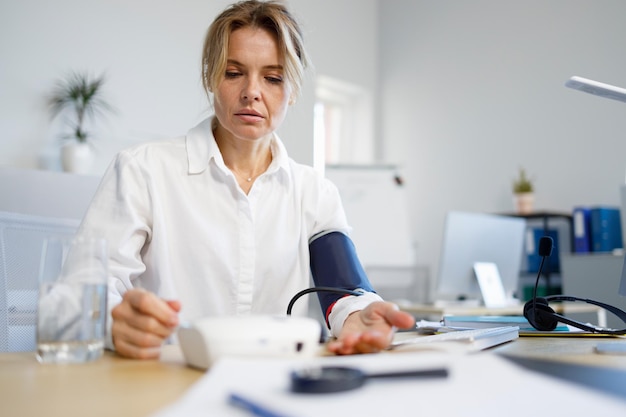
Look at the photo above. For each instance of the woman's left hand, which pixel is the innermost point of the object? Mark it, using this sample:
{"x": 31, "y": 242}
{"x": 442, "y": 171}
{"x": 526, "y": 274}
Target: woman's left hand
{"x": 371, "y": 329}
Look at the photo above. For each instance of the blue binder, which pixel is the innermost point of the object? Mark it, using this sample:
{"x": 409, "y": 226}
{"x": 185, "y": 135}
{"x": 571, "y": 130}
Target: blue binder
{"x": 606, "y": 229}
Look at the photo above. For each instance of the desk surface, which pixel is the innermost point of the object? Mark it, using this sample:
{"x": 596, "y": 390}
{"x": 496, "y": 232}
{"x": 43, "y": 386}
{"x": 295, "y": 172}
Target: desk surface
{"x": 566, "y": 350}
{"x": 111, "y": 386}
{"x": 118, "y": 387}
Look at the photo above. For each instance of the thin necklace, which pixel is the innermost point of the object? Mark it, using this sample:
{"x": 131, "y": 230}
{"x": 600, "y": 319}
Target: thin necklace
{"x": 252, "y": 175}
{"x": 247, "y": 178}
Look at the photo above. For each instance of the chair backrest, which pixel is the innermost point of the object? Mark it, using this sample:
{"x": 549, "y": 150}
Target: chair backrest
{"x": 34, "y": 204}
{"x": 21, "y": 243}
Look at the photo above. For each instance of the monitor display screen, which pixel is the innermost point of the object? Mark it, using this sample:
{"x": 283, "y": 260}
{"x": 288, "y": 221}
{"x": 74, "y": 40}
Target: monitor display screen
{"x": 477, "y": 237}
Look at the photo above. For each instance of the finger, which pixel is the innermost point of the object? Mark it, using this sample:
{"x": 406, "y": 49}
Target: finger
{"x": 123, "y": 331}
{"x": 128, "y": 350}
{"x": 124, "y": 314}
{"x": 400, "y": 319}
{"x": 340, "y": 347}
{"x": 366, "y": 342}
{"x": 151, "y": 305}
{"x": 174, "y": 305}
{"x": 132, "y": 342}
{"x": 147, "y": 324}
{"x": 390, "y": 313}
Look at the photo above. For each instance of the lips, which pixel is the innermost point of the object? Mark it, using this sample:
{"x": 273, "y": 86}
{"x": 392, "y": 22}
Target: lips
{"x": 248, "y": 113}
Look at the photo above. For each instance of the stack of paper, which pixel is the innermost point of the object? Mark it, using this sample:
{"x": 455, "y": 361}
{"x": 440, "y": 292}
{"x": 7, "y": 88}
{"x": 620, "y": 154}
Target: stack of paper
{"x": 484, "y": 322}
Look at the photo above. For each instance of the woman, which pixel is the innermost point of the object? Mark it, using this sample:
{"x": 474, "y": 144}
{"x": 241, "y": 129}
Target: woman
{"x": 221, "y": 221}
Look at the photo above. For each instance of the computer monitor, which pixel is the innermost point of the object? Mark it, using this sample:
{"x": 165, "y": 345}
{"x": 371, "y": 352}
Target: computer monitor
{"x": 478, "y": 237}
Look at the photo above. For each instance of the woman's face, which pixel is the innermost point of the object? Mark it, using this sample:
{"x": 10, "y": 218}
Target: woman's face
{"x": 252, "y": 100}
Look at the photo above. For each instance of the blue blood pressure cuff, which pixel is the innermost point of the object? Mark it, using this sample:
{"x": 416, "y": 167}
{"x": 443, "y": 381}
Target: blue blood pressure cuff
{"x": 334, "y": 263}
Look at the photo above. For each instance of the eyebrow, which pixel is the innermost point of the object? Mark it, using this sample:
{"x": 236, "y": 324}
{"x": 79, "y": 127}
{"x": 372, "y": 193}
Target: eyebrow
{"x": 239, "y": 64}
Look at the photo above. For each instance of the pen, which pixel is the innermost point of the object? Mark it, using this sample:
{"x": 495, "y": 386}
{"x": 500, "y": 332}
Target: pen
{"x": 252, "y": 406}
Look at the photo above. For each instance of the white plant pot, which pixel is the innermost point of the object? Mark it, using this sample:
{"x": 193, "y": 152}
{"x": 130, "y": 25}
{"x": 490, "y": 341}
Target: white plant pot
{"x": 524, "y": 202}
{"x": 77, "y": 157}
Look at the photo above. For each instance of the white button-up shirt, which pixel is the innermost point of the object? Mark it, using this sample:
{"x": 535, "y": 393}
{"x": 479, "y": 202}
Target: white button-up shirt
{"x": 178, "y": 225}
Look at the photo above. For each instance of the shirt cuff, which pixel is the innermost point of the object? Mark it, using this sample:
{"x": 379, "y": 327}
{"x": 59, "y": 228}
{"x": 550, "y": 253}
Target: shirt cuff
{"x": 348, "y": 305}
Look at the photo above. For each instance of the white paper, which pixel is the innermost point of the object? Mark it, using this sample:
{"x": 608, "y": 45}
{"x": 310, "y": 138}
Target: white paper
{"x": 481, "y": 384}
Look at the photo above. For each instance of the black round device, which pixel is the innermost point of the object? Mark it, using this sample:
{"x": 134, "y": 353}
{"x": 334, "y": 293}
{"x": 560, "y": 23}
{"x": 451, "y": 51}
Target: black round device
{"x": 324, "y": 379}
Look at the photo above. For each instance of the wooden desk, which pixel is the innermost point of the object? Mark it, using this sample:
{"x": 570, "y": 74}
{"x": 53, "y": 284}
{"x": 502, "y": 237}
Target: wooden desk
{"x": 567, "y": 350}
{"x": 109, "y": 387}
{"x": 116, "y": 387}
{"x": 571, "y": 359}
{"x": 436, "y": 312}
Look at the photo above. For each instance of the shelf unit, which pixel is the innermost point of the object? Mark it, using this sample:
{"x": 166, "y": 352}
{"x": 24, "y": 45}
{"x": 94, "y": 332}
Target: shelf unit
{"x": 546, "y": 220}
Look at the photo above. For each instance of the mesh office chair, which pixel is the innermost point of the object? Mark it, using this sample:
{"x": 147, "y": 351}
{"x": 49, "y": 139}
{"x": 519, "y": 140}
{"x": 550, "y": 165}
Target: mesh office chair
{"x": 21, "y": 243}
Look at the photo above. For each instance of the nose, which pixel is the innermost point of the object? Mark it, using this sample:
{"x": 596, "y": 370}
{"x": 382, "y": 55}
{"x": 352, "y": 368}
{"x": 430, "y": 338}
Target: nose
{"x": 251, "y": 90}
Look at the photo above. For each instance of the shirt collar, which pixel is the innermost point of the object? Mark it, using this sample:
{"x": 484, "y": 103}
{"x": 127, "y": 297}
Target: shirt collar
{"x": 202, "y": 148}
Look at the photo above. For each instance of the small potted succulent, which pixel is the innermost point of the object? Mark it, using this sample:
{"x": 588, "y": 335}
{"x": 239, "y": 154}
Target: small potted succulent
{"x": 523, "y": 193}
{"x": 80, "y": 97}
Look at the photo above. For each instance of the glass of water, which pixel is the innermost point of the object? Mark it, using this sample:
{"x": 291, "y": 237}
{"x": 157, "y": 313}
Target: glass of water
{"x": 71, "y": 313}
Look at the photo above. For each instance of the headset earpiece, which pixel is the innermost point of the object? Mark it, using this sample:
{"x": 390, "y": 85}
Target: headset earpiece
{"x": 540, "y": 315}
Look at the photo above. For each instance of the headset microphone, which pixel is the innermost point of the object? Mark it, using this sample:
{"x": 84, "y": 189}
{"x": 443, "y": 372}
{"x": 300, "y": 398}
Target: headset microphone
{"x": 542, "y": 317}
{"x": 545, "y": 247}
{"x": 545, "y": 250}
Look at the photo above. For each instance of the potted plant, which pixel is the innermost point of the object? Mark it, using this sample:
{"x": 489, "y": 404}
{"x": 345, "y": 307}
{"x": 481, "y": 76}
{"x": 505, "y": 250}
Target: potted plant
{"x": 523, "y": 192}
{"x": 81, "y": 96}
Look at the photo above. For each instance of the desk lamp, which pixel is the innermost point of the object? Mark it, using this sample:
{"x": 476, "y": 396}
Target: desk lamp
{"x": 597, "y": 88}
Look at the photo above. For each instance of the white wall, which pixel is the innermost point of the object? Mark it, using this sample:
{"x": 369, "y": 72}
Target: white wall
{"x": 150, "y": 51}
{"x": 471, "y": 91}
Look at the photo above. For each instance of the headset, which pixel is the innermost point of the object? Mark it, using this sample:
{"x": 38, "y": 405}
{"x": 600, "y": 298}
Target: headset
{"x": 542, "y": 317}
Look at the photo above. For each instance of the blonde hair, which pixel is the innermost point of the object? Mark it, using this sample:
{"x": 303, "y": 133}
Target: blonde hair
{"x": 269, "y": 15}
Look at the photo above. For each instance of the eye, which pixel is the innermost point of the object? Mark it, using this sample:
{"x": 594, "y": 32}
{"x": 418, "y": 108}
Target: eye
{"x": 274, "y": 80}
{"x": 232, "y": 74}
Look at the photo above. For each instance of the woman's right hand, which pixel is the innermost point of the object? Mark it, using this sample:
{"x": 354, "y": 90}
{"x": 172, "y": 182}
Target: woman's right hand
{"x": 141, "y": 323}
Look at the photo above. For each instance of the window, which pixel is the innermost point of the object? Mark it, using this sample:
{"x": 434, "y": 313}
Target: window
{"x": 344, "y": 123}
